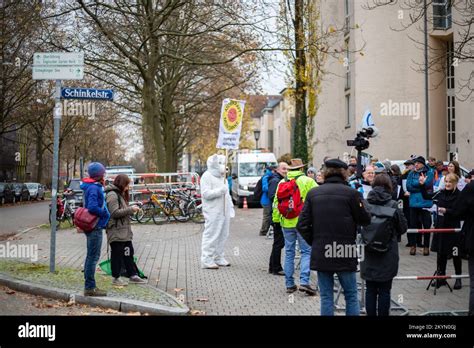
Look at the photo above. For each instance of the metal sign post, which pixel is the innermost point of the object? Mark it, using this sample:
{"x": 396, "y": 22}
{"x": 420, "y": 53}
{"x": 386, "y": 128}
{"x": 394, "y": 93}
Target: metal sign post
{"x": 57, "y": 66}
{"x": 54, "y": 189}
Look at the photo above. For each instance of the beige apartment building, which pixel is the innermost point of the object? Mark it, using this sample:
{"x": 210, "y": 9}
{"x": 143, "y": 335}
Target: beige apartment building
{"x": 380, "y": 74}
{"x": 276, "y": 122}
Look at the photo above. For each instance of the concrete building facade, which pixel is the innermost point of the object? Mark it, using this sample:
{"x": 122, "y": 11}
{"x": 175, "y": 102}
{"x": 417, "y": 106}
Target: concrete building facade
{"x": 384, "y": 73}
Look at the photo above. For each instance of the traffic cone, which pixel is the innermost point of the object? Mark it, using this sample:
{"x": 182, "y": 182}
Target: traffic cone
{"x": 245, "y": 203}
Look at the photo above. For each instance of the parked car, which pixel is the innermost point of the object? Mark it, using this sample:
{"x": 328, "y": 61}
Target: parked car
{"x": 21, "y": 192}
{"x": 7, "y": 193}
{"x": 36, "y": 190}
{"x": 73, "y": 192}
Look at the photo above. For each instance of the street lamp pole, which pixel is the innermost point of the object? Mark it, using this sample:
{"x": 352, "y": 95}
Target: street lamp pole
{"x": 256, "y": 134}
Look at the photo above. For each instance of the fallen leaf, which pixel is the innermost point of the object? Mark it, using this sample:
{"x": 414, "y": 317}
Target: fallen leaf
{"x": 178, "y": 289}
{"x": 197, "y": 312}
{"x": 134, "y": 313}
{"x": 10, "y": 292}
{"x": 202, "y": 299}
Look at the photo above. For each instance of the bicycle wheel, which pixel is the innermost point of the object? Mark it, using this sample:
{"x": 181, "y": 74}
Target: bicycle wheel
{"x": 160, "y": 216}
{"x": 177, "y": 211}
{"x": 148, "y": 213}
{"x": 194, "y": 210}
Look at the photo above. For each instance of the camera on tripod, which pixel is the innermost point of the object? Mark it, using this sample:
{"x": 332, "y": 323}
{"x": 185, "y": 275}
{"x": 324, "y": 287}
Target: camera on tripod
{"x": 361, "y": 141}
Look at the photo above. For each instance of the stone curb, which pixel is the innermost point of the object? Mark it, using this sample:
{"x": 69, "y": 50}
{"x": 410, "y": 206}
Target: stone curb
{"x": 116, "y": 303}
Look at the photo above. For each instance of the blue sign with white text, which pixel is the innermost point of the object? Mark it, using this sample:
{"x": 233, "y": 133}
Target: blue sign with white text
{"x": 87, "y": 93}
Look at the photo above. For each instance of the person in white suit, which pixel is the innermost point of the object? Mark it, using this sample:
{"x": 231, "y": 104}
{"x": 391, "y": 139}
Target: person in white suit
{"x": 217, "y": 209}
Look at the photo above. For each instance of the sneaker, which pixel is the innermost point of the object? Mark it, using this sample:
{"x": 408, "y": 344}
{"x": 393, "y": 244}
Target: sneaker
{"x": 426, "y": 251}
{"x": 137, "y": 280}
{"x": 222, "y": 263}
{"x": 413, "y": 250}
{"x": 457, "y": 284}
{"x": 291, "y": 289}
{"x": 307, "y": 289}
{"x": 95, "y": 292}
{"x": 119, "y": 282}
{"x": 209, "y": 266}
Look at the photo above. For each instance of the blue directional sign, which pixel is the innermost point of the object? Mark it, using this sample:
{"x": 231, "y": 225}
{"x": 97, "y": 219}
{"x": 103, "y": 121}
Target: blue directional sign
{"x": 87, "y": 93}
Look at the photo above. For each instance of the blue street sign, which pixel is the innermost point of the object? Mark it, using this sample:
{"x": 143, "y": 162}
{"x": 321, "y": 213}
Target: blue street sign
{"x": 87, "y": 93}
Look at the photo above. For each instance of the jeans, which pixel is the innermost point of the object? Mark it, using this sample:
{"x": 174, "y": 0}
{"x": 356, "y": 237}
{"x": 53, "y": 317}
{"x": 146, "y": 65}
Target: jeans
{"x": 122, "y": 254}
{"x": 326, "y": 287}
{"x": 419, "y": 218}
{"x": 471, "y": 282}
{"x": 291, "y": 235}
{"x": 94, "y": 243}
{"x": 278, "y": 244}
{"x": 377, "y": 298}
{"x": 267, "y": 219}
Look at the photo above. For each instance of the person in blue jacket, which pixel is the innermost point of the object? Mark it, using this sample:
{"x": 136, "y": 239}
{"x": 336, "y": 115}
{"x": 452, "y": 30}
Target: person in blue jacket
{"x": 420, "y": 216}
{"x": 94, "y": 201}
{"x": 265, "y": 202}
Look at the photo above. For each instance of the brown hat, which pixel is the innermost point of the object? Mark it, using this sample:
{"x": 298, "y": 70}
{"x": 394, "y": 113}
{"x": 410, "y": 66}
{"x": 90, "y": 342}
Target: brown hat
{"x": 296, "y": 163}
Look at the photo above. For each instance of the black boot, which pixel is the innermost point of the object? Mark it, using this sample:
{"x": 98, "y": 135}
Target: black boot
{"x": 457, "y": 284}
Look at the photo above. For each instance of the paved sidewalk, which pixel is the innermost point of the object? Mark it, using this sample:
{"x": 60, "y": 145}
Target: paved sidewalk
{"x": 170, "y": 256}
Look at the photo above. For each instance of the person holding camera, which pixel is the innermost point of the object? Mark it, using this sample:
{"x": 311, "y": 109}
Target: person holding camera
{"x": 119, "y": 231}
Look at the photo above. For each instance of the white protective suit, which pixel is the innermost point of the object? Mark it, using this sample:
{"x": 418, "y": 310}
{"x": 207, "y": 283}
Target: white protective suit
{"x": 217, "y": 209}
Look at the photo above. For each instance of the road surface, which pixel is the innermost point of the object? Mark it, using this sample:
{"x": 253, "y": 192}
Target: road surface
{"x": 17, "y": 218}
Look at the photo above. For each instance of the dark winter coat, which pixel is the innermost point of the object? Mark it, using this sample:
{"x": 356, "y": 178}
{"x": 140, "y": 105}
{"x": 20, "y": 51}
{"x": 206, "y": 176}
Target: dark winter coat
{"x": 381, "y": 267}
{"x": 118, "y": 228}
{"x": 273, "y": 184}
{"x": 330, "y": 217}
{"x": 445, "y": 243}
{"x": 464, "y": 210}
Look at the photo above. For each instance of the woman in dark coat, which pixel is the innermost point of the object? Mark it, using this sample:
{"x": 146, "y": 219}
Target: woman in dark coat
{"x": 447, "y": 245}
{"x": 379, "y": 269}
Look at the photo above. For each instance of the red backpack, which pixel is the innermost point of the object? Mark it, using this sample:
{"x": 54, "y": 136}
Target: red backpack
{"x": 290, "y": 202}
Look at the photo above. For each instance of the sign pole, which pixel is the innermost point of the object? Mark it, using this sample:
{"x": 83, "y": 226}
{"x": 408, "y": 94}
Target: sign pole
{"x": 54, "y": 189}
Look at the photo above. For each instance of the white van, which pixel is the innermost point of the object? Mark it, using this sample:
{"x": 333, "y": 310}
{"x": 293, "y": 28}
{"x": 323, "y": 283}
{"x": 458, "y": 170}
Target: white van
{"x": 247, "y": 167}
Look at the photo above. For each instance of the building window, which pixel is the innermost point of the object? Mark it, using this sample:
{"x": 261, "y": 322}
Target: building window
{"x": 348, "y": 110}
{"x": 442, "y": 14}
{"x": 270, "y": 140}
{"x": 450, "y": 95}
{"x": 347, "y": 65}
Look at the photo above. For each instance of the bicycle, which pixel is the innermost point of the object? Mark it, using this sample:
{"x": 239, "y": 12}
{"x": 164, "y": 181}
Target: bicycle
{"x": 161, "y": 208}
{"x": 64, "y": 210}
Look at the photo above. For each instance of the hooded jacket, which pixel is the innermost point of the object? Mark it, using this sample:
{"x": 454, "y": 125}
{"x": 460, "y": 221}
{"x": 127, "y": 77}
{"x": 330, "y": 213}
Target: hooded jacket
{"x": 305, "y": 183}
{"x": 413, "y": 186}
{"x": 214, "y": 191}
{"x": 381, "y": 267}
{"x": 118, "y": 228}
{"x": 94, "y": 201}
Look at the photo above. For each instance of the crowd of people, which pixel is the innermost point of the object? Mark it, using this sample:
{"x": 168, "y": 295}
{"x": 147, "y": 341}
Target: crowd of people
{"x": 333, "y": 206}
{"x": 325, "y": 215}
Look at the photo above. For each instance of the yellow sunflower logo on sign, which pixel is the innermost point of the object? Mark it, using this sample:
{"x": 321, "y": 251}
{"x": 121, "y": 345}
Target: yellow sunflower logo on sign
{"x": 232, "y": 116}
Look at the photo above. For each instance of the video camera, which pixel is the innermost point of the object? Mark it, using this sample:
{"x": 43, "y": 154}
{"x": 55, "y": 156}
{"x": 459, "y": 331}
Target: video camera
{"x": 361, "y": 141}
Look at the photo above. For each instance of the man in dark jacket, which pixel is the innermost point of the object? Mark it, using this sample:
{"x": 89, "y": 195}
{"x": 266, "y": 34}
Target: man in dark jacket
{"x": 94, "y": 201}
{"x": 278, "y": 239}
{"x": 464, "y": 209}
{"x": 328, "y": 223}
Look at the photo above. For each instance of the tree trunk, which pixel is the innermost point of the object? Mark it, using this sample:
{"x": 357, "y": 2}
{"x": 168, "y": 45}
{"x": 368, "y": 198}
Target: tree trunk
{"x": 39, "y": 158}
{"x": 300, "y": 137}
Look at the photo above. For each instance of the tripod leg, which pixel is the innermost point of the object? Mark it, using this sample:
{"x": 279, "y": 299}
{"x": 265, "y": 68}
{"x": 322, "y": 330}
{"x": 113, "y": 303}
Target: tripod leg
{"x": 432, "y": 280}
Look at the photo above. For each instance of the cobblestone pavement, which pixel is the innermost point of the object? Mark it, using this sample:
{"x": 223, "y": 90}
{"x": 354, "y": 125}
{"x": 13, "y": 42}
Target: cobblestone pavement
{"x": 169, "y": 255}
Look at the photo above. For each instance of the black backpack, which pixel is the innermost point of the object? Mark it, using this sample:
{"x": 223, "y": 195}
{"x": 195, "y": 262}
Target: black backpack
{"x": 257, "y": 192}
{"x": 377, "y": 236}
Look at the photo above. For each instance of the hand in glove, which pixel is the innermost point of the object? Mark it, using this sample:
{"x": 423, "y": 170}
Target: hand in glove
{"x": 224, "y": 190}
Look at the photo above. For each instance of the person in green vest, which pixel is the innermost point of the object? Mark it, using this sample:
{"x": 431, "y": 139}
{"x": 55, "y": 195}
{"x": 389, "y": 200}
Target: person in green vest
{"x": 284, "y": 210}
